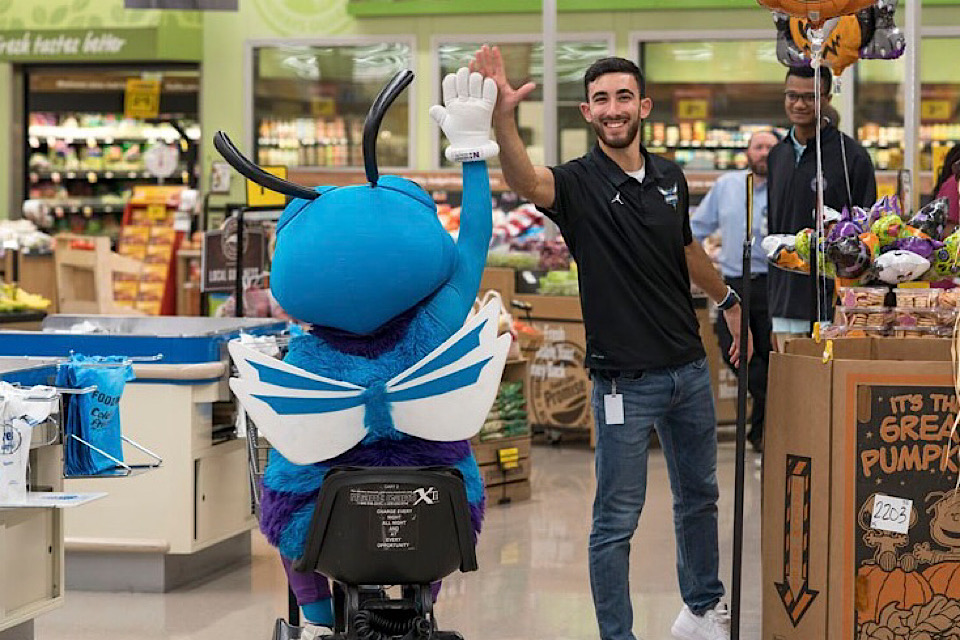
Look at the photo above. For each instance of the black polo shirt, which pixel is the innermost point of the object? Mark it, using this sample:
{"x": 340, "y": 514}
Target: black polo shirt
{"x": 628, "y": 239}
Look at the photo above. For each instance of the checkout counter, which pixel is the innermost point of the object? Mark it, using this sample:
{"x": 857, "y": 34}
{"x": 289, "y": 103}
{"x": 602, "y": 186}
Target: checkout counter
{"x": 160, "y": 527}
{"x": 31, "y": 539}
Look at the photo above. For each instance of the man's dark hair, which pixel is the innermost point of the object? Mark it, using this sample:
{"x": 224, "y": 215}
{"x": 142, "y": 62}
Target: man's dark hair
{"x": 826, "y": 78}
{"x": 604, "y": 66}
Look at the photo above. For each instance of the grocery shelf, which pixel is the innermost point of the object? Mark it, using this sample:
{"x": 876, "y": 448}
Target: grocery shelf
{"x": 82, "y": 134}
{"x": 84, "y": 206}
{"x": 85, "y": 174}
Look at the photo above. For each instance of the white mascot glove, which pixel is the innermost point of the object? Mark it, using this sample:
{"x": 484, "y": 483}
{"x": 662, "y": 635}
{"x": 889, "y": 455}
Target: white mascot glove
{"x": 468, "y": 101}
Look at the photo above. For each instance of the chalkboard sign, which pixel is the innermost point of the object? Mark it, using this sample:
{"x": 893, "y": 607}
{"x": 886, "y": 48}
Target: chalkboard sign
{"x": 907, "y": 461}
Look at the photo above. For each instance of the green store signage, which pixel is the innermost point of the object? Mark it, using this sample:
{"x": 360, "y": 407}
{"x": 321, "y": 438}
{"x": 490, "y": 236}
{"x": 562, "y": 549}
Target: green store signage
{"x": 372, "y": 8}
{"x": 87, "y": 44}
{"x": 95, "y": 31}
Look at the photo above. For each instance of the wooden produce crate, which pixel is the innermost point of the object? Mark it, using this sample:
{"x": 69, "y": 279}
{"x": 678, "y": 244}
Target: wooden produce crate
{"x": 86, "y": 269}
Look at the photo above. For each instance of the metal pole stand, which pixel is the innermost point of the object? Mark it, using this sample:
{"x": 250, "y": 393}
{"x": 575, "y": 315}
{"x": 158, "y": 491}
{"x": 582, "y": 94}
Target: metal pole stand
{"x": 742, "y": 379}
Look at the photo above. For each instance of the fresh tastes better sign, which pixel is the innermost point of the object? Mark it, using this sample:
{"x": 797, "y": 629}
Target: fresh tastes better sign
{"x": 80, "y": 43}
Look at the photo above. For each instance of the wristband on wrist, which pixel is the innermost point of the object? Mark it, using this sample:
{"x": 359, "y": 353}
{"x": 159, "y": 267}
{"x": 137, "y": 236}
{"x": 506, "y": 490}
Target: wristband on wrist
{"x": 729, "y": 301}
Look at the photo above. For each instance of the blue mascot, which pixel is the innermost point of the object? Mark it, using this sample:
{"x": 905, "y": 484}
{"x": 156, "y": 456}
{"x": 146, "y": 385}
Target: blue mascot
{"x": 392, "y": 372}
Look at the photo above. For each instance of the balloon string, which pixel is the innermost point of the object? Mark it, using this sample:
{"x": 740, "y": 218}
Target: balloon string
{"x": 821, "y": 285}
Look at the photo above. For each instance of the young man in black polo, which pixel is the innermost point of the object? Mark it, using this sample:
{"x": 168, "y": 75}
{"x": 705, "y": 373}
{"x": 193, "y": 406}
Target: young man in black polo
{"x": 624, "y": 215}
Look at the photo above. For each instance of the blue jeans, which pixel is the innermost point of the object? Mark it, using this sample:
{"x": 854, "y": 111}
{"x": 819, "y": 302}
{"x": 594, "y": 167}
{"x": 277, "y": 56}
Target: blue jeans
{"x": 678, "y": 402}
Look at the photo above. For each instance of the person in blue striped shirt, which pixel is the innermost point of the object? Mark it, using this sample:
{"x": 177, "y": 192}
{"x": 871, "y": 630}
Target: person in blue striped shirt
{"x": 724, "y": 210}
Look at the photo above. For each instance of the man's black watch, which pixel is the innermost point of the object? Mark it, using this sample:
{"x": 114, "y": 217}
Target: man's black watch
{"x": 729, "y": 301}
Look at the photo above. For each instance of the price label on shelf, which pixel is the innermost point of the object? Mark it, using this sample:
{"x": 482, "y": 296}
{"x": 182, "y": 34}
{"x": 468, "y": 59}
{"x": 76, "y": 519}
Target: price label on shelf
{"x": 258, "y": 196}
{"x": 142, "y": 99}
{"x": 940, "y": 110}
{"x": 891, "y": 514}
{"x": 156, "y": 212}
{"x": 692, "y": 109}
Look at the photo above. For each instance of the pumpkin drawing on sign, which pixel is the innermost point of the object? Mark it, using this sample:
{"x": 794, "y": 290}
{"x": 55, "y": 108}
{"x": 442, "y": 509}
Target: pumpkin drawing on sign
{"x": 902, "y": 589}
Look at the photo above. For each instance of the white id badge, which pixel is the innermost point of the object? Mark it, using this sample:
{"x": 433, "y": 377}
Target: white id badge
{"x": 613, "y": 406}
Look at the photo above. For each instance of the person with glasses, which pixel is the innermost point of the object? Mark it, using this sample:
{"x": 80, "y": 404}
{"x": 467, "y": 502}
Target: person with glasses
{"x": 848, "y": 179}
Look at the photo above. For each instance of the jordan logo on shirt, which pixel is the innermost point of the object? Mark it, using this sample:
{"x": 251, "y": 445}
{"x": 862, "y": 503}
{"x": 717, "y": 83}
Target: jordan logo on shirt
{"x": 617, "y": 199}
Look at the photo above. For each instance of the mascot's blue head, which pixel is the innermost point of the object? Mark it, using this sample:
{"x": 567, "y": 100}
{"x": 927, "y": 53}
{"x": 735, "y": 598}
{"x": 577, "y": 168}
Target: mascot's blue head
{"x": 353, "y": 258}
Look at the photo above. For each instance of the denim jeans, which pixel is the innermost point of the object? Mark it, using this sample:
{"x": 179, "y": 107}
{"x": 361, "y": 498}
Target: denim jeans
{"x": 678, "y": 403}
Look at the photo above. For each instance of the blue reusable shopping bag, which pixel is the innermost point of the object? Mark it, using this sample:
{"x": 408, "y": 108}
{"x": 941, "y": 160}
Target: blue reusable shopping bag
{"x": 94, "y": 417}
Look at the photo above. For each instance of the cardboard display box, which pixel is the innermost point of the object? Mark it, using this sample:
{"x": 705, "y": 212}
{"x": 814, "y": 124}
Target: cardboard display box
{"x": 500, "y": 280}
{"x": 846, "y": 441}
{"x": 487, "y": 452}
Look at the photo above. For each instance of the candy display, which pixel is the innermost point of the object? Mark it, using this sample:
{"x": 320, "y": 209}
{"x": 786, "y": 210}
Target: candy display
{"x": 913, "y": 312}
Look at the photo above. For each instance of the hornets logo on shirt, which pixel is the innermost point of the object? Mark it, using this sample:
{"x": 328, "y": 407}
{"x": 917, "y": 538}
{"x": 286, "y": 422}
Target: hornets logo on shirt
{"x": 670, "y": 195}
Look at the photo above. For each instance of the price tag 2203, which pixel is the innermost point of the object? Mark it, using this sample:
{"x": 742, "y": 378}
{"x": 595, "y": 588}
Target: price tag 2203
{"x": 891, "y": 514}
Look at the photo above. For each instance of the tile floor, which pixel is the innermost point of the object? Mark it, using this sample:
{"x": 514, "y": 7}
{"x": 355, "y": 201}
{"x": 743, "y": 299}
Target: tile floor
{"x": 532, "y": 583}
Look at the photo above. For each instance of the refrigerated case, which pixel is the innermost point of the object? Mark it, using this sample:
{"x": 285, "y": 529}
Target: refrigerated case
{"x": 523, "y": 59}
{"x": 709, "y": 96}
{"x": 83, "y": 156}
{"x": 880, "y": 108}
{"x": 310, "y": 102}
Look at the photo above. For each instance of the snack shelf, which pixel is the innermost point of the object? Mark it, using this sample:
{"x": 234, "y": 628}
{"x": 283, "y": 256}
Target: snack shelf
{"x": 93, "y": 175}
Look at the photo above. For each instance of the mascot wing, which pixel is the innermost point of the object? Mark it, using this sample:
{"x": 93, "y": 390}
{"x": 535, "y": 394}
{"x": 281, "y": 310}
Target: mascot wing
{"x": 306, "y": 417}
{"x": 446, "y": 396}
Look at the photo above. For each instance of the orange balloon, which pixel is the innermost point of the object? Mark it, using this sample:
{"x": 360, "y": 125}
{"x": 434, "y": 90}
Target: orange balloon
{"x": 841, "y": 47}
{"x": 817, "y": 11}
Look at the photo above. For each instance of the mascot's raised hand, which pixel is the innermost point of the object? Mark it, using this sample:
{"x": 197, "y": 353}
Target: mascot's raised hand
{"x": 468, "y": 101}
{"x": 391, "y": 374}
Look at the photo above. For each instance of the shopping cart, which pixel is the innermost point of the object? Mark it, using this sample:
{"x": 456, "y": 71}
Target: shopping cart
{"x": 258, "y": 455}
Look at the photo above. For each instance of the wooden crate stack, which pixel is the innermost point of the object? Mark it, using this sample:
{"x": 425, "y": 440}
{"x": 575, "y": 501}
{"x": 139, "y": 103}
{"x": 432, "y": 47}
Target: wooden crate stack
{"x": 505, "y": 462}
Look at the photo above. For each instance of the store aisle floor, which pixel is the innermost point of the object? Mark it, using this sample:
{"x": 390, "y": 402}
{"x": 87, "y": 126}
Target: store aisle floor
{"x": 532, "y": 584}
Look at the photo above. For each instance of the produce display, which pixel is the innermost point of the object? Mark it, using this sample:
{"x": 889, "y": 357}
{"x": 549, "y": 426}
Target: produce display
{"x": 560, "y": 283}
{"x": 14, "y": 299}
{"x": 508, "y": 416}
{"x": 520, "y": 225}
{"x": 24, "y": 235}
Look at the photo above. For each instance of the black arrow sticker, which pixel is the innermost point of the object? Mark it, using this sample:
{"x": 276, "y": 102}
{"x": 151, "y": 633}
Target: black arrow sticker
{"x": 794, "y": 590}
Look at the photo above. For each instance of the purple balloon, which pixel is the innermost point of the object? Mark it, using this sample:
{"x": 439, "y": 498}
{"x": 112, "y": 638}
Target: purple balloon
{"x": 921, "y": 246}
{"x": 843, "y": 229}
